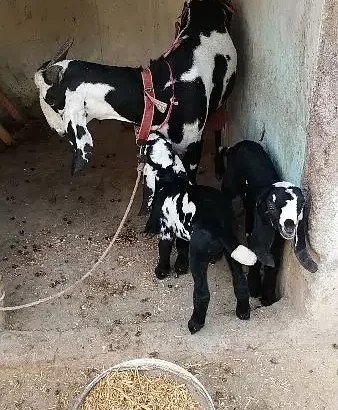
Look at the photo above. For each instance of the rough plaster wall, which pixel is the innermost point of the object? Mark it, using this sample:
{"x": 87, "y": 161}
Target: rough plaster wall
{"x": 321, "y": 175}
{"x": 124, "y": 32}
{"x": 277, "y": 43}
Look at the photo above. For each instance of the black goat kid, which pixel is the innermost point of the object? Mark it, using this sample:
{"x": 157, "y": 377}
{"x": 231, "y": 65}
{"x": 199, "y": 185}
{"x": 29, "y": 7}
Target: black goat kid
{"x": 199, "y": 214}
{"x": 271, "y": 206}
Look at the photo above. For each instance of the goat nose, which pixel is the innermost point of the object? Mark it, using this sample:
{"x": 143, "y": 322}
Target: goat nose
{"x": 289, "y": 225}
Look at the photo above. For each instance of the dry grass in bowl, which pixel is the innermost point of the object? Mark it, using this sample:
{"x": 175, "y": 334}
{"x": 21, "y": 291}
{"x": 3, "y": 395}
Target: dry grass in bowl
{"x": 136, "y": 390}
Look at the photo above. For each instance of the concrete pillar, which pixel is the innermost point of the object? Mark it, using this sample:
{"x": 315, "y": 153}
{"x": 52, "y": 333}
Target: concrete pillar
{"x": 321, "y": 174}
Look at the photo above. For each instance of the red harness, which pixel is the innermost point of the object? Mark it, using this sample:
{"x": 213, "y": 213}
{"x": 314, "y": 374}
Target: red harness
{"x": 150, "y": 102}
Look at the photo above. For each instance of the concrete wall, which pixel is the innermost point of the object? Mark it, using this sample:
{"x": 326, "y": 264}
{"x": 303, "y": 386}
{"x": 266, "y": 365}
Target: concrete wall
{"x": 124, "y": 32}
{"x": 321, "y": 176}
{"x": 277, "y": 42}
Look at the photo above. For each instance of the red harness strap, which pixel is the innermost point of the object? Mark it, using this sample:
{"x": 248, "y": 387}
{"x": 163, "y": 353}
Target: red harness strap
{"x": 142, "y": 132}
{"x": 173, "y": 100}
{"x": 150, "y": 102}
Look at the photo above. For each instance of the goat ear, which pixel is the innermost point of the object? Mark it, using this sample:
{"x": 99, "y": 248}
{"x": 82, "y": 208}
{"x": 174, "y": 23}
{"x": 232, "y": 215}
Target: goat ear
{"x": 53, "y": 74}
{"x": 262, "y": 236}
{"x": 300, "y": 248}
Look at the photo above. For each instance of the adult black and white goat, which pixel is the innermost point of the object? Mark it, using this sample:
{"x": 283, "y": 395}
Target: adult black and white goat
{"x": 197, "y": 215}
{"x": 203, "y": 66}
{"x": 272, "y": 206}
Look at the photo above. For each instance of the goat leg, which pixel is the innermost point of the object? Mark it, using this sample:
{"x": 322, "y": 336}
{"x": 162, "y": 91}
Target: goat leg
{"x": 270, "y": 273}
{"x": 241, "y": 289}
{"x": 201, "y": 296}
{"x": 199, "y": 260}
{"x": 255, "y": 280}
{"x": 182, "y": 261}
{"x": 269, "y": 285}
{"x": 163, "y": 267}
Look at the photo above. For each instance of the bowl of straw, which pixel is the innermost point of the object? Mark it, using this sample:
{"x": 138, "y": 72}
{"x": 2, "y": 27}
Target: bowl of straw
{"x": 145, "y": 384}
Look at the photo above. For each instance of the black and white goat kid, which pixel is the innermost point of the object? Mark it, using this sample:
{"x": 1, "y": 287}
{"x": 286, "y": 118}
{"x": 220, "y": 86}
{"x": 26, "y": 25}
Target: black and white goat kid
{"x": 74, "y": 92}
{"x": 199, "y": 215}
{"x": 275, "y": 211}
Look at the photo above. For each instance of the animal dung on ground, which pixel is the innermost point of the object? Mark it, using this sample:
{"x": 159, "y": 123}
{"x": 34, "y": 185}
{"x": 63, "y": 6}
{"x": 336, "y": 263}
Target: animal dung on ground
{"x": 138, "y": 390}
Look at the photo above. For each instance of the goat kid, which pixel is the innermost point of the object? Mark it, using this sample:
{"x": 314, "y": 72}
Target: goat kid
{"x": 74, "y": 92}
{"x": 275, "y": 211}
{"x": 197, "y": 214}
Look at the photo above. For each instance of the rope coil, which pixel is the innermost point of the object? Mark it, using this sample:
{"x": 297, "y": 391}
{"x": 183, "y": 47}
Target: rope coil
{"x": 92, "y": 269}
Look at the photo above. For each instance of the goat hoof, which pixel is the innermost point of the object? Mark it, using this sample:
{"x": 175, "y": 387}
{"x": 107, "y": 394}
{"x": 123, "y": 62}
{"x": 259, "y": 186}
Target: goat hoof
{"x": 243, "y": 309}
{"x": 268, "y": 297}
{"x": 215, "y": 257}
{"x": 161, "y": 273}
{"x": 181, "y": 265}
{"x": 194, "y": 327}
{"x": 268, "y": 300}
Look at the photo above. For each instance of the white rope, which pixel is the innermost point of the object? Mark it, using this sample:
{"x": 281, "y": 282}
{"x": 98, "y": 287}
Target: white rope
{"x": 92, "y": 269}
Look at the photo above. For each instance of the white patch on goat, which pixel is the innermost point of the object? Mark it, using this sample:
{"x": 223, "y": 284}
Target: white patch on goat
{"x": 96, "y": 105}
{"x": 289, "y": 211}
{"x": 274, "y": 198}
{"x": 160, "y": 154}
{"x": 192, "y": 167}
{"x": 204, "y": 57}
{"x": 188, "y": 207}
{"x": 172, "y": 219}
{"x": 64, "y": 64}
{"x": 190, "y": 75}
{"x": 283, "y": 184}
{"x": 191, "y": 133}
{"x": 150, "y": 180}
{"x": 244, "y": 256}
{"x": 178, "y": 165}
{"x": 75, "y": 114}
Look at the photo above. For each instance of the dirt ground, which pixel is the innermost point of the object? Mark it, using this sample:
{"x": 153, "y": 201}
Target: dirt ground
{"x": 54, "y": 226}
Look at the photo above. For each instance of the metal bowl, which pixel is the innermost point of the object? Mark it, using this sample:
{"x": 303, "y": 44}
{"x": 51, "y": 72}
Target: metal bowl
{"x": 156, "y": 366}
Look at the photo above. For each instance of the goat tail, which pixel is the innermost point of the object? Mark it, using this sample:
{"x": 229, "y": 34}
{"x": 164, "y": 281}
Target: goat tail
{"x": 238, "y": 252}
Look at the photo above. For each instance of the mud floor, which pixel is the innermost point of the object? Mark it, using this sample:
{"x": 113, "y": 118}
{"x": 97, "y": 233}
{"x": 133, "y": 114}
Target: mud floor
{"x": 54, "y": 227}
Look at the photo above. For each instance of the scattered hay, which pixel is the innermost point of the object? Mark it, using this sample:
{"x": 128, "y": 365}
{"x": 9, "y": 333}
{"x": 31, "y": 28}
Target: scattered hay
{"x": 136, "y": 390}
